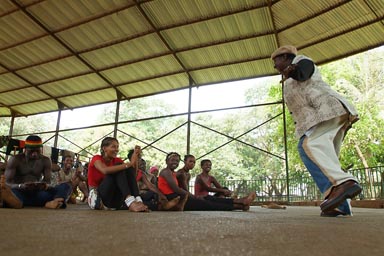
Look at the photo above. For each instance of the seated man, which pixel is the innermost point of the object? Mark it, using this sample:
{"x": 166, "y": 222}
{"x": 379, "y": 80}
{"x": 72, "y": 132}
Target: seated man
{"x": 27, "y": 179}
{"x": 73, "y": 177}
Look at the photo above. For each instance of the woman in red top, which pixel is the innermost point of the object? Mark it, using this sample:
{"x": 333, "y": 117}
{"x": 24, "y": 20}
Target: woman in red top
{"x": 149, "y": 193}
{"x": 112, "y": 182}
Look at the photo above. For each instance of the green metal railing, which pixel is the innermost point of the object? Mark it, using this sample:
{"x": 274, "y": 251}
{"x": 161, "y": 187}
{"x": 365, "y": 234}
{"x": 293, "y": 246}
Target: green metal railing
{"x": 303, "y": 188}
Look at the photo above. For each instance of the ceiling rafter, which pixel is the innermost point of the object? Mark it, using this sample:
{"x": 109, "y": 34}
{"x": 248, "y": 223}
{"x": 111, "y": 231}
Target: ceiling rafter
{"x": 90, "y": 50}
{"x": 62, "y": 43}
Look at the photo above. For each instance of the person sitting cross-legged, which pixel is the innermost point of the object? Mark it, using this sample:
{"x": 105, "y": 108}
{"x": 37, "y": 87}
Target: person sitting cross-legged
{"x": 72, "y": 176}
{"x": 112, "y": 182}
{"x": 28, "y": 177}
{"x": 203, "y": 186}
{"x": 168, "y": 185}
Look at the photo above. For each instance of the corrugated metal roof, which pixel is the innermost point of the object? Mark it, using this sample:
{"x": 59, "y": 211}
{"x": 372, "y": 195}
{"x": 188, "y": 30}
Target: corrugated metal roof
{"x": 74, "y": 53}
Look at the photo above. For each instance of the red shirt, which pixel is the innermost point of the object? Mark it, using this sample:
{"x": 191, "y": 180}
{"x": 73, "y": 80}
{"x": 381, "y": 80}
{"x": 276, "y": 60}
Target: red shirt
{"x": 139, "y": 175}
{"x": 95, "y": 177}
{"x": 163, "y": 185}
{"x": 199, "y": 190}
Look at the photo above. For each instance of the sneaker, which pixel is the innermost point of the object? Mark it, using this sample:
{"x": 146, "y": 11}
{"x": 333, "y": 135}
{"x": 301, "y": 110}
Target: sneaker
{"x": 94, "y": 201}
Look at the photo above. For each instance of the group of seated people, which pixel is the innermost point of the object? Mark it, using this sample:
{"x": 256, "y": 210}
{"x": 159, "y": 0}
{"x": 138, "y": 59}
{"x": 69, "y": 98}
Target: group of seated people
{"x": 113, "y": 183}
{"x": 30, "y": 179}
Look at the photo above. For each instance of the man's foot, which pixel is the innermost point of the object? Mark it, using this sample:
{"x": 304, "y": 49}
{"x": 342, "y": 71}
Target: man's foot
{"x": 138, "y": 207}
{"x": 166, "y": 205}
{"x": 8, "y": 197}
{"x": 57, "y": 203}
{"x": 348, "y": 189}
{"x": 181, "y": 204}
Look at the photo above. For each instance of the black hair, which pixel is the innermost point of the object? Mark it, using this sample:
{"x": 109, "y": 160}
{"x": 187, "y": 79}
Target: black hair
{"x": 205, "y": 161}
{"x": 106, "y": 142}
{"x": 130, "y": 154}
{"x": 171, "y": 154}
{"x": 188, "y": 156}
{"x": 290, "y": 56}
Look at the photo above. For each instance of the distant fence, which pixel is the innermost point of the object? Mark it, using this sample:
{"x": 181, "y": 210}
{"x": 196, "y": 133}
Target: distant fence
{"x": 303, "y": 188}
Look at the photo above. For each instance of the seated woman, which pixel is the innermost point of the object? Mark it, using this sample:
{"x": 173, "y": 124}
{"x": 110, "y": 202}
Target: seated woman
{"x": 149, "y": 193}
{"x": 112, "y": 183}
{"x": 203, "y": 185}
{"x": 72, "y": 176}
{"x": 168, "y": 185}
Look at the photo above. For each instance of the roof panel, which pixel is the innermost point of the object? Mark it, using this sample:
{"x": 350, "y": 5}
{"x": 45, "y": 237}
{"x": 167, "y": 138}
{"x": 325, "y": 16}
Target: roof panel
{"x": 10, "y": 81}
{"x": 339, "y": 46}
{"x": 73, "y": 86}
{"x": 164, "y": 13}
{"x": 17, "y": 28}
{"x": 289, "y": 12}
{"x": 127, "y": 23}
{"x": 34, "y": 52}
{"x": 377, "y": 7}
{"x": 57, "y": 69}
{"x": 36, "y": 107}
{"x": 7, "y": 7}
{"x": 234, "y": 72}
{"x": 16, "y": 97}
{"x": 222, "y": 54}
{"x": 157, "y": 85}
{"x": 222, "y": 29}
{"x": 60, "y": 14}
{"x": 322, "y": 27}
{"x": 129, "y": 51}
{"x": 5, "y": 111}
{"x": 143, "y": 70}
{"x": 88, "y": 52}
{"x": 90, "y": 98}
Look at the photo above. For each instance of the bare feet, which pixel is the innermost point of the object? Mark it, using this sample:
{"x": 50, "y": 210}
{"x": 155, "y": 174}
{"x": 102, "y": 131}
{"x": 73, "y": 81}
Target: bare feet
{"x": 8, "y": 196}
{"x": 274, "y": 206}
{"x": 138, "y": 207}
{"x": 245, "y": 201}
{"x": 166, "y": 205}
{"x": 55, "y": 203}
{"x": 181, "y": 204}
{"x": 251, "y": 196}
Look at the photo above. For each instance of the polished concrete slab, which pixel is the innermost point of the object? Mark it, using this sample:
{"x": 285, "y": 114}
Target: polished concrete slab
{"x": 298, "y": 230}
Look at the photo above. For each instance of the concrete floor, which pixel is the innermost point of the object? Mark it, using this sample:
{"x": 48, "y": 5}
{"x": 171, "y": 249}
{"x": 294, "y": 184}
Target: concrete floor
{"x": 294, "y": 231}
